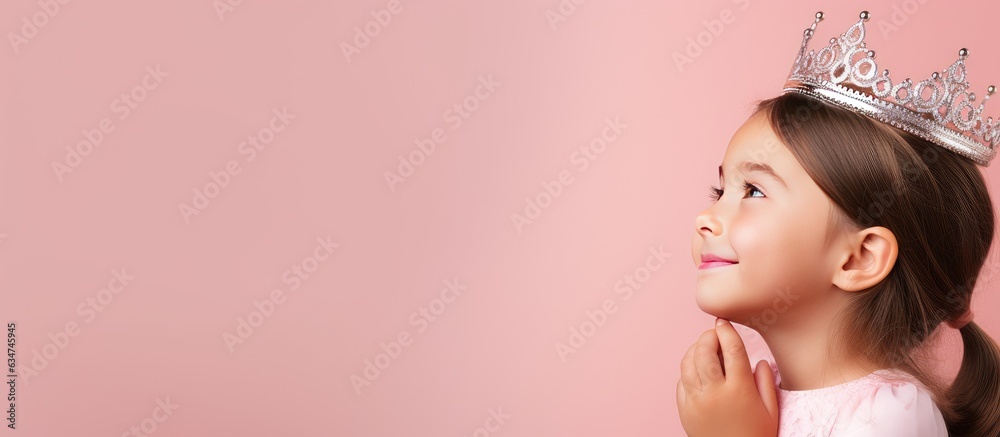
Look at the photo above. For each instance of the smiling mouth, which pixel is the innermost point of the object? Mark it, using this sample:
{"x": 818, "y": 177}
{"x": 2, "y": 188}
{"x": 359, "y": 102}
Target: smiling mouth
{"x": 714, "y": 264}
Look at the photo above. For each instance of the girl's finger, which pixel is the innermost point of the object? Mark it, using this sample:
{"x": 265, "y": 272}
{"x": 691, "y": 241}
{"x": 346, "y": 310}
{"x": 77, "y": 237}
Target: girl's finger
{"x": 706, "y": 359}
{"x": 764, "y": 380}
{"x": 734, "y": 353}
{"x": 681, "y": 396}
{"x": 689, "y": 373}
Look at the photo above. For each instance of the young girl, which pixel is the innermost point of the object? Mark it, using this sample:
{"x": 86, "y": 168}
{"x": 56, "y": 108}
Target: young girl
{"x": 851, "y": 222}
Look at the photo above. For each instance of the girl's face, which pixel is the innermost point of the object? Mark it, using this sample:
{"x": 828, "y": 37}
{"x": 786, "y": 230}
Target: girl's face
{"x": 772, "y": 224}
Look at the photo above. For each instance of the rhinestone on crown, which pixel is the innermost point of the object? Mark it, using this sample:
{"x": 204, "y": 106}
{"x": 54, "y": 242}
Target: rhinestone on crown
{"x": 948, "y": 117}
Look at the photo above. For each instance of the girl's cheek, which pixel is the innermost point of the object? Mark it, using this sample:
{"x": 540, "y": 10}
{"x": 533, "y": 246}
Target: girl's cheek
{"x": 746, "y": 237}
{"x": 759, "y": 246}
{"x": 696, "y": 248}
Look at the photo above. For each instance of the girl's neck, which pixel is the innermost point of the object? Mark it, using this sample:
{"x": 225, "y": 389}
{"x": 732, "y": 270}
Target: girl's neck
{"x": 806, "y": 357}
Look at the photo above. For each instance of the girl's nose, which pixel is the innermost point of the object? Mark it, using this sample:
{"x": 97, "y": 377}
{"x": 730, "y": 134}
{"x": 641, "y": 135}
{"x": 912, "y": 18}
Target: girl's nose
{"x": 708, "y": 224}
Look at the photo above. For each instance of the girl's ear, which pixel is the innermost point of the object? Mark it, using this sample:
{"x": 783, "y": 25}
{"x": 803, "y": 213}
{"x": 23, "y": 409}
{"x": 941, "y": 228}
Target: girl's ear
{"x": 869, "y": 255}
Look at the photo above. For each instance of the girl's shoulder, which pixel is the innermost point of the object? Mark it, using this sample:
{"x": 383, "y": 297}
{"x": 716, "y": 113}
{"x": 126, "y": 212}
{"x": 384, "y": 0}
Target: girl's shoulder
{"x": 885, "y": 403}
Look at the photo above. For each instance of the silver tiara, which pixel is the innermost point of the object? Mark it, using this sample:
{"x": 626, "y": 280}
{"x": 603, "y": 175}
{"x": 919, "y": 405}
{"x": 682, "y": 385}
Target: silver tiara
{"x": 949, "y": 117}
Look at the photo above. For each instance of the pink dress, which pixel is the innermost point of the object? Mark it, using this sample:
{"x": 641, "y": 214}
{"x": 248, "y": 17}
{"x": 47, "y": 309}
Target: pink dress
{"x": 886, "y": 403}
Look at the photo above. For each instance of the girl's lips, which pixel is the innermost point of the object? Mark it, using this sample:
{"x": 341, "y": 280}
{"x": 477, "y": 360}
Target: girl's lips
{"x": 713, "y": 264}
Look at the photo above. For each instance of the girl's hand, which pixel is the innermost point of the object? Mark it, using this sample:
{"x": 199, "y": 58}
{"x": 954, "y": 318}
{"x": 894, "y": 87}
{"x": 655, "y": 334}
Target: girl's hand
{"x": 715, "y": 402}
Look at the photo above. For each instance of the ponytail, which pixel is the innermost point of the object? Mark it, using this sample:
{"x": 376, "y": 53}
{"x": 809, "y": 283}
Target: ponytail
{"x": 974, "y": 397}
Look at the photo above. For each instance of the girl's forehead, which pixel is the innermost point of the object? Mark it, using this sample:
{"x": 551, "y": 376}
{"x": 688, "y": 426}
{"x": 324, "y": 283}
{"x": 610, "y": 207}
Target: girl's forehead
{"x": 756, "y": 143}
{"x": 758, "y": 151}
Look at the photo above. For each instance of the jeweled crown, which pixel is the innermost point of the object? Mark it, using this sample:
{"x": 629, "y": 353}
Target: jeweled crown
{"x": 949, "y": 117}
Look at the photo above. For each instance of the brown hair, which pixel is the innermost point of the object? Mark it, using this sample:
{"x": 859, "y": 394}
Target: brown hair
{"x": 937, "y": 205}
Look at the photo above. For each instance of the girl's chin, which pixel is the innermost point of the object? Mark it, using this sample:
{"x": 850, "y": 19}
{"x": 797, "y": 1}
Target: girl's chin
{"x": 715, "y": 300}
{"x": 725, "y": 309}
{"x": 720, "y": 311}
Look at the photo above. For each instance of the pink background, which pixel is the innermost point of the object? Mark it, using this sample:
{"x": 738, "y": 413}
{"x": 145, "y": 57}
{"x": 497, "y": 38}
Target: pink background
{"x": 493, "y": 347}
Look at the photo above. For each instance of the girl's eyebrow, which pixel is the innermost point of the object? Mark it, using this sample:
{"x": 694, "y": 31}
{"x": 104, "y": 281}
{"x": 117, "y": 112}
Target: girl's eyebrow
{"x": 751, "y": 167}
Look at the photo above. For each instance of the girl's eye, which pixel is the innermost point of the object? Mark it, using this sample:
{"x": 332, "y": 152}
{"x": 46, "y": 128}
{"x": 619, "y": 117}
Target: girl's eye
{"x": 751, "y": 187}
{"x": 716, "y": 192}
